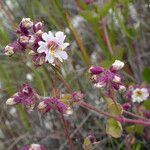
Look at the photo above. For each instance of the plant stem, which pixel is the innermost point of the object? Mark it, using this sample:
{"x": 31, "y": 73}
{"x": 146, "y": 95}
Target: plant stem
{"x": 134, "y": 115}
{"x": 117, "y": 118}
{"x": 66, "y": 132}
{"x": 85, "y": 105}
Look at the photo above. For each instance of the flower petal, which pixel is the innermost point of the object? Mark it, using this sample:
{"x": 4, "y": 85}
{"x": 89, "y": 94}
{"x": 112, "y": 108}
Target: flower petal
{"x": 61, "y": 54}
{"x": 64, "y": 45}
{"x": 41, "y": 43}
{"x": 49, "y": 58}
{"x": 48, "y": 36}
{"x": 60, "y": 37}
{"x": 42, "y": 49}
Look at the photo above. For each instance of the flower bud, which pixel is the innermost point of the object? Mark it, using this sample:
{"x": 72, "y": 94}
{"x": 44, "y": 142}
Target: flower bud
{"x": 9, "y": 50}
{"x": 27, "y": 23}
{"x": 95, "y": 70}
{"x": 126, "y": 106}
{"x": 40, "y": 32}
{"x": 11, "y": 101}
{"x": 42, "y": 106}
{"x": 31, "y": 41}
{"x": 100, "y": 85}
{"x": 35, "y": 147}
{"x": 118, "y": 65}
{"x": 24, "y": 39}
{"x": 122, "y": 88}
{"x": 116, "y": 79}
{"x": 69, "y": 111}
{"x": 38, "y": 27}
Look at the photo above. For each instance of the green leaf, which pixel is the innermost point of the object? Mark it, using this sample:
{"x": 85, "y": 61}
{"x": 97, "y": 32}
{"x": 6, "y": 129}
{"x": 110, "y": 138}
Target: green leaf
{"x": 115, "y": 108}
{"x": 146, "y": 75}
{"x": 113, "y": 128}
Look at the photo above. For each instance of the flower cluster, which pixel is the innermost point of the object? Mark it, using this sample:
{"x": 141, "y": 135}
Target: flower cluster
{"x": 138, "y": 93}
{"x": 24, "y": 96}
{"x": 44, "y": 47}
{"x": 107, "y": 78}
{"x": 34, "y": 147}
{"x": 52, "y": 103}
{"x": 29, "y": 98}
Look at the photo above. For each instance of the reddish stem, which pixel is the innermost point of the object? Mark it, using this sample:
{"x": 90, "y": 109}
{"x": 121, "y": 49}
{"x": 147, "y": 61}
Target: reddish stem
{"x": 120, "y": 119}
{"x": 134, "y": 115}
{"x": 66, "y": 132}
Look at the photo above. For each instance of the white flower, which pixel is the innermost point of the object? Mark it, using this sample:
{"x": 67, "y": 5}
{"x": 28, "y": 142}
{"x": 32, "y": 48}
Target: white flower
{"x": 139, "y": 95}
{"x": 53, "y": 46}
{"x": 118, "y": 65}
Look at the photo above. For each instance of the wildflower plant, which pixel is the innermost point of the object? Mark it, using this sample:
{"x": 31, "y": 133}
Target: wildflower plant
{"x": 47, "y": 47}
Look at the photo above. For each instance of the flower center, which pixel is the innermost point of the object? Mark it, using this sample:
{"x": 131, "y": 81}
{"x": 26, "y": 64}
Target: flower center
{"x": 139, "y": 93}
{"x": 52, "y": 46}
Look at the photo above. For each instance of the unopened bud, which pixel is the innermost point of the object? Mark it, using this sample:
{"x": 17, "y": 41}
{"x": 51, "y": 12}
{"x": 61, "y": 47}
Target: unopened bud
{"x": 41, "y": 106}
{"x": 99, "y": 85}
{"x": 118, "y": 65}
{"x": 69, "y": 111}
{"x": 39, "y": 32}
{"x": 122, "y": 88}
{"x": 24, "y": 39}
{"x": 31, "y": 41}
{"x": 116, "y": 79}
{"x": 35, "y": 147}
{"x": 27, "y": 23}
{"x": 126, "y": 106}
{"x": 9, "y": 50}
{"x": 95, "y": 70}
{"x": 11, "y": 101}
{"x": 38, "y": 27}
